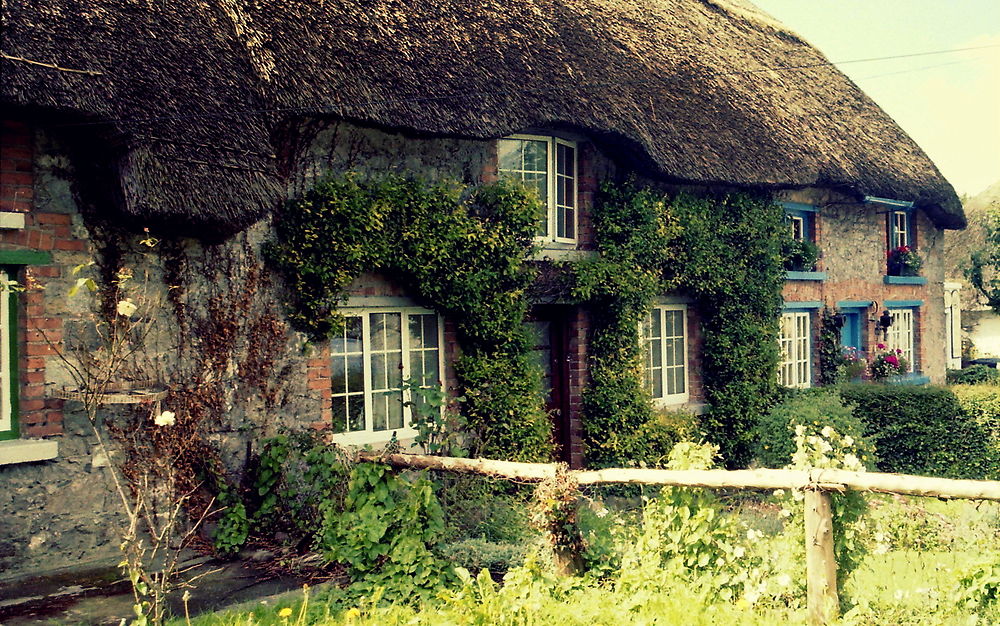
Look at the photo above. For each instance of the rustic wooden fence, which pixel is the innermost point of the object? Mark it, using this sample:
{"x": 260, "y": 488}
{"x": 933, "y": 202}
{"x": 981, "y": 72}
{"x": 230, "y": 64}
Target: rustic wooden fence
{"x": 817, "y": 484}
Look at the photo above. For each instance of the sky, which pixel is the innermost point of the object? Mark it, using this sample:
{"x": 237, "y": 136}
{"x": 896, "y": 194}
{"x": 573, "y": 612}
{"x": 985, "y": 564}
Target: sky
{"x": 949, "y": 103}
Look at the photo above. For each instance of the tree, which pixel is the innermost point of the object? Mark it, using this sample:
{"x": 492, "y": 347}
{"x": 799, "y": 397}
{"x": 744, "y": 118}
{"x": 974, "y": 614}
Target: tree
{"x": 984, "y": 268}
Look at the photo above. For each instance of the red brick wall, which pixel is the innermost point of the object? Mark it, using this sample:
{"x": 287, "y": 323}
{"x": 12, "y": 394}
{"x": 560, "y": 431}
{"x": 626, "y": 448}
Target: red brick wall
{"x": 39, "y": 415}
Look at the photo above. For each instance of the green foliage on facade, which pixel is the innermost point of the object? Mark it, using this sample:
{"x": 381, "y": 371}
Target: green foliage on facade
{"x": 634, "y": 233}
{"x": 462, "y": 251}
{"x": 731, "y": 264}
{"x": 725, "y": 253}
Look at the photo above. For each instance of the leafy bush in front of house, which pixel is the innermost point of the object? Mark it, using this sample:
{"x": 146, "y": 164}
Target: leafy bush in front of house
{"x": 923, "y": 430}
{"x": 722, "y": 251}
{"x": 386, "y": 534}
{"x": 974, "y": 375}
{"x": 463, "y": 251}
{"x": 813, "y": 410}
{"x": 981, "y": 403}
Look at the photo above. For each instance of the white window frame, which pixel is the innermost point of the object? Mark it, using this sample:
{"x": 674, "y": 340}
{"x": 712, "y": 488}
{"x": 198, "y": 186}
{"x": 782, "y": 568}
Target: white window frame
{"x": 900, "y": 229}
{"x": 369, "y": 436}
{"x": 552, "y": 176}
{"x": 902, "y": 334}
{"x": 675, "y": 398}
{"x": 795, "y": 364}
{"x": 798, "y": 223}
{"x": 7, "y": 382}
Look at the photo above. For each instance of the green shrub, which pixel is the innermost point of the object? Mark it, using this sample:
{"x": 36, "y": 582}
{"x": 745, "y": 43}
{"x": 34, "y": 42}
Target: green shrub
{"x": 922, "y": 430}
{"x": 386, "y": 534}
{"x": 974, "y": 375}
{"x": 982, "y": 404}
{"x": 814, "y": 410}
{"x": 476, "y": 555}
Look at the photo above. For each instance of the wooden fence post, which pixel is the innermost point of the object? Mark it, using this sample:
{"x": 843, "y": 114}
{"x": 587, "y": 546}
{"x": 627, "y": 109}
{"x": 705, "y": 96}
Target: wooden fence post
{"x": 821, "y": 565}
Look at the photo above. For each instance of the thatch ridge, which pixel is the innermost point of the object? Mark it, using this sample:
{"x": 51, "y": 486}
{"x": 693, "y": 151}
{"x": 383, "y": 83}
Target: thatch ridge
{"x": 199, "y": 91}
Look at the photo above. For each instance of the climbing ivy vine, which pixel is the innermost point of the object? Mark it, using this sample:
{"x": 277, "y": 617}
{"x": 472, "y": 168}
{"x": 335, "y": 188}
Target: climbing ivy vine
{"x": 462, "y": 251}
{"x": 724, "y": 252}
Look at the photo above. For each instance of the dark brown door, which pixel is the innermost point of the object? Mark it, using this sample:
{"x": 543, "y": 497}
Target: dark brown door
{"x": 551, "y": 331}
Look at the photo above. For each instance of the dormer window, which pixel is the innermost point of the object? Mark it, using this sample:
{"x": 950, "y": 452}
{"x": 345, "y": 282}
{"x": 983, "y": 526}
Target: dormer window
{"x": 547, "y": 165}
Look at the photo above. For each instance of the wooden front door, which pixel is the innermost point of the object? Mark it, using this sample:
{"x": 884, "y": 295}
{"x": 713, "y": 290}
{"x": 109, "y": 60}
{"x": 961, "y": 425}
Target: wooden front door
{"x": 551, "y": 351}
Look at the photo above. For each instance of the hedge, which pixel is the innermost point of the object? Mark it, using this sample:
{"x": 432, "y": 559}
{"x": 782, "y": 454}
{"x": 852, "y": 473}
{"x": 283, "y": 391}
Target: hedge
{"x": 924, "y": 430}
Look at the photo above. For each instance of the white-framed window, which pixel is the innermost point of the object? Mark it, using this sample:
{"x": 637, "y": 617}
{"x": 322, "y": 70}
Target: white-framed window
{"x": 794, "y": 339}
{"x": 900, "y": 229}
{"x": 797, "y": 223}
{"x": 665, "y": 360}
{"x": 548, "y": 165}
{"x": 370, "y": 359}
{"x": 8, "y": 371}
{"x": 900, "y": 335}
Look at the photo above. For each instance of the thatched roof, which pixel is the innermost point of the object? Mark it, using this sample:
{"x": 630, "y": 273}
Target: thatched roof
{"x": 198, "y": 92}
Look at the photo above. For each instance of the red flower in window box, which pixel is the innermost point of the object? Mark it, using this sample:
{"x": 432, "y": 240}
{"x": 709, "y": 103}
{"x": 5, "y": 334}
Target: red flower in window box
{"x": 904, "y": 261}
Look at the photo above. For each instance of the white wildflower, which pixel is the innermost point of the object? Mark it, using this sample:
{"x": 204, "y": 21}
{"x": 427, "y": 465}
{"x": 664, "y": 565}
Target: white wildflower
{"x": 166, "y": 418}
{"x": 800, "y": 430}
{"x": 602, "y": 512}
{"x": 848, "y": 441}
{"x": 783, "y": 580}
{"x": 126, "y": 307}
{"x": 785, "y": 513}
{"x": 739, "y": 551}
{"x": 851, "y": 461}
{"x": 827, "y": 432}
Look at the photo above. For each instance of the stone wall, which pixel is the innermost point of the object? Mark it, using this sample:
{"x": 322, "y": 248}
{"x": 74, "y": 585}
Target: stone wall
{"x": 853, "y": 241}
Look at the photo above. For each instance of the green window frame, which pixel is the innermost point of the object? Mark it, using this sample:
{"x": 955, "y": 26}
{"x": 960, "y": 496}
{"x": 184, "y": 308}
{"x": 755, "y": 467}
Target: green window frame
{"x": 9, "y": 388}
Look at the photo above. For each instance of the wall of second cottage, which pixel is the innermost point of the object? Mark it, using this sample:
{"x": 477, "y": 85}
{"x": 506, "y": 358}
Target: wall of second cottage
{"x": 853, "y": 242}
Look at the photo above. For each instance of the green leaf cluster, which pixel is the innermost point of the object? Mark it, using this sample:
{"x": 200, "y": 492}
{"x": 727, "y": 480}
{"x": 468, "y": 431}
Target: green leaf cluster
{"x": 725, "y": 253}
{"x": 386, "y": 534}
{"x": 635, "y": 235}
{"x": 462, "y": 251}
{"x": 732, "y": 266}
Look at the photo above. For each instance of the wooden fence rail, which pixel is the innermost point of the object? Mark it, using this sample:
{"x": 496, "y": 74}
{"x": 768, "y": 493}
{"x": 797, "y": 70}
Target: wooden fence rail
{"x": 821, "y": 567}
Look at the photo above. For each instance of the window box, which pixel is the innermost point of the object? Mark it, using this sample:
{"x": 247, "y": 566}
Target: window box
{"x": 904, "y": 280}
{"x": 790, "y": 275}
{"x": 913, "y": 378}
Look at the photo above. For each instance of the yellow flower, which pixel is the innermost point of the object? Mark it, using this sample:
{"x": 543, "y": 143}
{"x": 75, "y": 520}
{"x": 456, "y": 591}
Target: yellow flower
{"x": 285, "y": 613}
{"x": 353, "y": 612}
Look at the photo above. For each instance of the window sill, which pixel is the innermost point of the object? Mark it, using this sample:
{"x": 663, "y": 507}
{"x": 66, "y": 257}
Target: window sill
{"x": 27, "y": 450}
{"x": 789, "y": 275}
{"x": 913, "y": 378}
{"x": 904, "y": 280}
{"x": 558, "y": 252}
{"x": 382, "y": 437}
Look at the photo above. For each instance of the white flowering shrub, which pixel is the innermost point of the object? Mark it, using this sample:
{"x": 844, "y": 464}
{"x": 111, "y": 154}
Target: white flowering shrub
{"x": 827, "y": 449}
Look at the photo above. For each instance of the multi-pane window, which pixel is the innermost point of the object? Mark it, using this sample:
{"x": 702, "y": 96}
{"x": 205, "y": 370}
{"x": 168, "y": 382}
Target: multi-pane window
{"x": 8, "y": 365}
{"x": 798, "y": 227}
{"x": 900, "y": 335}
{"x": 664, "y": 343}
{"x": 900, "y": 235}
{"x": 370, "y": 359}
{"x": 794, "y": 370}
{"x": 549, "y": 166}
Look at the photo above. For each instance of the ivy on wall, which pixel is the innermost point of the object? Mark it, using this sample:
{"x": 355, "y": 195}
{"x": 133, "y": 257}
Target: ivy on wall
{"x": 634, "y": 233}
{"x": 722, "y": 251}
{"x": 463, "y": 252}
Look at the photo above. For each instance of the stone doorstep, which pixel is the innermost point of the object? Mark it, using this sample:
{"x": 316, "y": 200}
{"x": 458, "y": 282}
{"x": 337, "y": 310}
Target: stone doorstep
{"x": 27, "y": 450}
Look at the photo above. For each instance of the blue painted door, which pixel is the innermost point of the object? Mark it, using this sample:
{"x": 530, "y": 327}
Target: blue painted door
{"x": 850, "y": 334}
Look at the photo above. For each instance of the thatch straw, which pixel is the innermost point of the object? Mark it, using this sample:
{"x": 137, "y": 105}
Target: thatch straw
{"x": 198, "y": 91}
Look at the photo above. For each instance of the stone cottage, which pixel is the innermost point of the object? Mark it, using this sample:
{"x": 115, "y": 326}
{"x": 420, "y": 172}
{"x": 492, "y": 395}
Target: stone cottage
{"x": 198, "y": 120}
